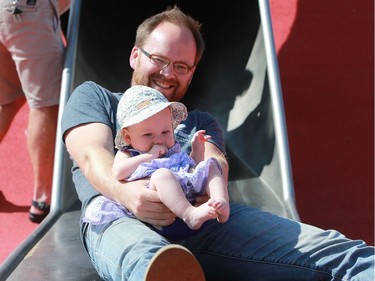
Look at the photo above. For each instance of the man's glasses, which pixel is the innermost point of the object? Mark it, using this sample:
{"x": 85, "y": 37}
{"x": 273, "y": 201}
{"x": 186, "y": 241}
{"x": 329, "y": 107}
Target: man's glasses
{"x": 178, "y": 67}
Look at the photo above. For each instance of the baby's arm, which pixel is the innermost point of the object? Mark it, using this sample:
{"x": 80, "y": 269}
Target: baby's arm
{"x": 124, "y": 164}
{"x": 197, "y": 145}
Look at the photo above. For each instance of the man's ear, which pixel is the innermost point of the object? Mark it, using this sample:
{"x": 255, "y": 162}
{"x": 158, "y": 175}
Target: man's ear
{"x": 133, "y": 57}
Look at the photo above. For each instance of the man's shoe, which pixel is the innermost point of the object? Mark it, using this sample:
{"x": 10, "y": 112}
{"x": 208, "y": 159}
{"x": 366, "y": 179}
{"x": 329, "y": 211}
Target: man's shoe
{"x": 174, "y": 263}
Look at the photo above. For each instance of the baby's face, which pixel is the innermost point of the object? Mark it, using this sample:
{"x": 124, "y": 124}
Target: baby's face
{"x": 155, "y": 130}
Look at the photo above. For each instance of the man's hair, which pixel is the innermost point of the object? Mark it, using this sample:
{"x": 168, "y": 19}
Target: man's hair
{"x": 176, "y": 16}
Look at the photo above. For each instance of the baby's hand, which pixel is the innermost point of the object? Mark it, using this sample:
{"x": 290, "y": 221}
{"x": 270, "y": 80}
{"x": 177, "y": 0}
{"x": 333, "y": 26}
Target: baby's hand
{"x": 200, "y": 136}
{"x": 158, "y": 150}
{"x": 197, "y": 145}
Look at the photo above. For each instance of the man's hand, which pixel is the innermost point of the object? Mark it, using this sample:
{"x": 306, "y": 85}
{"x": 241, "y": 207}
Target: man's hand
{"x": 144, "y": 203}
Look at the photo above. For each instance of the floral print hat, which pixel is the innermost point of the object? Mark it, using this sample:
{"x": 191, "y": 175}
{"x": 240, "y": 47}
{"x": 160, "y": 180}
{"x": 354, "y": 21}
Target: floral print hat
{"x": 139, "y": 103}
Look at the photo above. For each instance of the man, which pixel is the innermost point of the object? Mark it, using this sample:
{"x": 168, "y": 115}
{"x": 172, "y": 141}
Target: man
{"x": 251, "y": 245}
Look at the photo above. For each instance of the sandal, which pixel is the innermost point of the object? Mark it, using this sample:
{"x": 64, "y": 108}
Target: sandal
{"x": 42, "y": 206}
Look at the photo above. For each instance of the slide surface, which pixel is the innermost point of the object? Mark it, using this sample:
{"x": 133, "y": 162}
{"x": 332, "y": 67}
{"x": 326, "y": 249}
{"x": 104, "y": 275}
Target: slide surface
{"x": 231, "y": 82}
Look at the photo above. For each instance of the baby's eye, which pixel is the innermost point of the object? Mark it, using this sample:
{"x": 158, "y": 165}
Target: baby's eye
{"x": 166, "y": 132}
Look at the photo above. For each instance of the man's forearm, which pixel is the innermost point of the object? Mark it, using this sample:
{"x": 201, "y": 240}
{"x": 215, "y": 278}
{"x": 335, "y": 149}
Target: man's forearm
{"x": 91, "y": 147}
{"x": 98, "y": 171}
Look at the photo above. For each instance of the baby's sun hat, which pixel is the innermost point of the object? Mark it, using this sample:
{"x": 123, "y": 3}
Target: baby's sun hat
{"x": 139, "y": 103}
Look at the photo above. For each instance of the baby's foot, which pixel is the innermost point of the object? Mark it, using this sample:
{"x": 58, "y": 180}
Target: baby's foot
{"x": 196, "y": 216}
{"x": 221, "y": 207}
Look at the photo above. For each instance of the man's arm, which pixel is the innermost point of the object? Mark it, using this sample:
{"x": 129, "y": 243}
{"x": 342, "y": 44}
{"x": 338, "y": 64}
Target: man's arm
{"x": 91, "y": 147}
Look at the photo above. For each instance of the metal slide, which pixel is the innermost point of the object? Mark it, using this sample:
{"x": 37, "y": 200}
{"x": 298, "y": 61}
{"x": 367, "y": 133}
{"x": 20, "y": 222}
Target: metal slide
{"x": 237, "y": 81}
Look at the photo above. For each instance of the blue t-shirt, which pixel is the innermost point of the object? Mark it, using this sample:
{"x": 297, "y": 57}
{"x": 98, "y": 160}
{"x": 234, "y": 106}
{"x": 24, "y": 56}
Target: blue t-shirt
{"x": 91, "y": 103}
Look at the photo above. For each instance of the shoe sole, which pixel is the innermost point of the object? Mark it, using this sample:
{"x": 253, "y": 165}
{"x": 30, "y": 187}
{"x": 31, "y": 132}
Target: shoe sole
{"x": 174, "y": 263}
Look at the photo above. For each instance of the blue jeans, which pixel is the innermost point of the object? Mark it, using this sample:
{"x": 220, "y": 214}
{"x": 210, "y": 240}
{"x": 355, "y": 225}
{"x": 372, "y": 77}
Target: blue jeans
{"x": 252, "y": 245}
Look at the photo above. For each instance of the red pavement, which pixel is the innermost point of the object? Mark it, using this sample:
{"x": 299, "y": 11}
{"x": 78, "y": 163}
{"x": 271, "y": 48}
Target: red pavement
{"x": 16, "y": 187}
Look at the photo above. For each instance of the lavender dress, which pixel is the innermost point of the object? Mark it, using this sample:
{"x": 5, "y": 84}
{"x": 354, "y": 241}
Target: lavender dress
{"x": 192, "y": 178}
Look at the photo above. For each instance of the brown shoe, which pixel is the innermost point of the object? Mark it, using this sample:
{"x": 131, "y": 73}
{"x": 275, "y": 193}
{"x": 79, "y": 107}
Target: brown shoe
{"x": 174, "y": 263}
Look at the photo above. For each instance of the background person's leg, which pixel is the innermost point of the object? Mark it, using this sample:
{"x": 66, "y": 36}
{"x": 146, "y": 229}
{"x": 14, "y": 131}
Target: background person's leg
{"x": 7, "y": 113}
{"x": 11, "y": 95}
{"x": 41, "y": 136}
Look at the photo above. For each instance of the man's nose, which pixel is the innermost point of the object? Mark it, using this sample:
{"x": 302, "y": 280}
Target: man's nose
{"x": 168, "y": 70}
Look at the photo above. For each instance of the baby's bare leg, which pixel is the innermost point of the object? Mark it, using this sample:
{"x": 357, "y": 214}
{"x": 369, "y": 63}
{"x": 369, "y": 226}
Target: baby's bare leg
{"x": 171, "y": 194}
{"x": 218, "y": 192}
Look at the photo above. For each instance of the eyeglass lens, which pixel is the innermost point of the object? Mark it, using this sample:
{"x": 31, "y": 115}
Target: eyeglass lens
{"x": 161, "y": 62}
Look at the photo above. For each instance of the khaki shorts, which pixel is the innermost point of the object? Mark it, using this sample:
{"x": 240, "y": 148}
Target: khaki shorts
{"x": 31, "y": 52}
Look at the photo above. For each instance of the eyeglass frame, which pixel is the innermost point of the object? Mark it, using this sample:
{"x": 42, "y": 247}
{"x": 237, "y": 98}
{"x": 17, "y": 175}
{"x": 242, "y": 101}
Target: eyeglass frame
{"x": 167, "y": 62}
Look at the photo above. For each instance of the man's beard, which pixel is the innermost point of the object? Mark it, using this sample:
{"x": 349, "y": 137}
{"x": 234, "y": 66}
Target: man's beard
{"x": 139, "y": 79}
